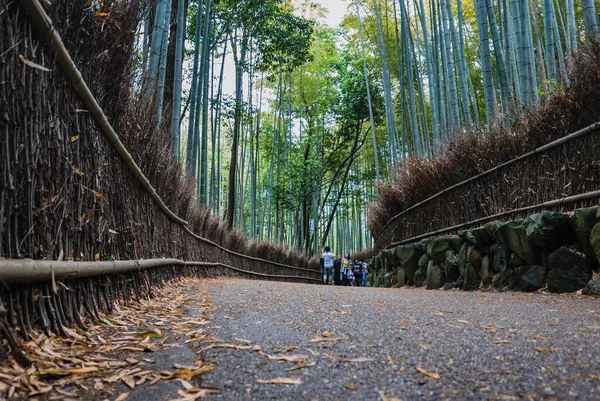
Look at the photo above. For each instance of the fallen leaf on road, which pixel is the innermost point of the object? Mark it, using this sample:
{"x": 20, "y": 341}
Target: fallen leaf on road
{"x": 499, "y": 341}
{"x": 232, "y": 346}
{"x": 306, "y": 365}
{"x": 194, "y": 393}
{"x": 281, "y": 380}
{"x": 75, "y": 371}
{"x": 424, "y": 346}
{"x": 427, "y": 373}
{"x": 386, "y": 398}
{"x": 186, "y": 374}
{"x": 129, "y": 381}
{"x": 289, "y": 358}
{"x": 186, "y": 384}
{"x": 360, "y": 359}
{"x": 153, "y": 332}
{"x": 122, "y": 397}
{"x": 594, "y": 377}
{"x": 323, "y": 339}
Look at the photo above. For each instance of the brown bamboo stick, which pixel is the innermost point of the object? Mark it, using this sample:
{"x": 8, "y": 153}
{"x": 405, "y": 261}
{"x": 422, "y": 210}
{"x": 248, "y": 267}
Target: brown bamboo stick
{"x": 23, "y": 271}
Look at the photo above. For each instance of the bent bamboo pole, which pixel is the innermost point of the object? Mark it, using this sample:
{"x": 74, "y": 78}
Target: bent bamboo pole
{"x": 22, "y": 271}
{"x": 552, "y": 203}
{"x": 207, "y": 241}
{"x": 47, "y": 31}
{"x": 41, "y": 20}
{"x": 541, "y": 149}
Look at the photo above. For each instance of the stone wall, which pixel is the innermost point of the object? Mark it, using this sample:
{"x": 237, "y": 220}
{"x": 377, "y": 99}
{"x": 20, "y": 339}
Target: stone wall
{"x": 555, "y": 251}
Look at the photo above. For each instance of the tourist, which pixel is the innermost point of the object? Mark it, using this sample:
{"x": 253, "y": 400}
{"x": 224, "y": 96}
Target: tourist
{"x": 337, "y": 271}
{"x": 345, "y": 265}
{"x": 327, "y": 265}
{"x": 357, "y": 270}
{"x": 349, "y": 276}
{"x": 365, "y": 271}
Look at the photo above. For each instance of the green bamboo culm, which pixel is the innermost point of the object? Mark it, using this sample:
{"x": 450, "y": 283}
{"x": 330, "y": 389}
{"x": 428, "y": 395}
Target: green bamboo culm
{"x": 150, "y": 80}
{"x": 177, "y": 80}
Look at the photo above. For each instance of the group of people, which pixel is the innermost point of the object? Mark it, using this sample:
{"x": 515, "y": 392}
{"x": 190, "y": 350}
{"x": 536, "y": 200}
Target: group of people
{"x": 343, "y": 271}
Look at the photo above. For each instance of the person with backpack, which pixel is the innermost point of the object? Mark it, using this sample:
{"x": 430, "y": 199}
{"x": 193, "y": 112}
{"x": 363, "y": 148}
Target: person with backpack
{"x": 365, "y": 272}
{"x": 357, "y": 270}
{"x": 327, "y": 265}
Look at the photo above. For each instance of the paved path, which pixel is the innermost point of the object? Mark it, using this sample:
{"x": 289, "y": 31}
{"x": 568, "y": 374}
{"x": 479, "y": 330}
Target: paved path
{"x": 482, "y": 345}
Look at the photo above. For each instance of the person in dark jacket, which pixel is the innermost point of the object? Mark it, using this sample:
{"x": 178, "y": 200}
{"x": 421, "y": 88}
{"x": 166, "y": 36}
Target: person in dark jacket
{"x": 337, "y": 271}
{"x": 357, "y": 269}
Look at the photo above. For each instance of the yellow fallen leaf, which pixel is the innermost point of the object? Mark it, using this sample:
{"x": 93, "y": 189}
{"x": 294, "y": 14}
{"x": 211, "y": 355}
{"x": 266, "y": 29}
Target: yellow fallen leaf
{"x": 289, "y": 358}
{"x": 186, "y": 374}
{"x": 427, "y": 373}
{"x": 153, "y": 332}
{"x": 323, "y": 339}
{"x": 122, "y": 397}
{"x": 77, "y": 171}
{"x": 84, "y": 371}
{"x": 129, "y": 381}
{"x": 132, "y": 349}
{"x": 306, "y": 365}
{"x": 424, "y": 346}
{"x": 194, "y": 393}
{"x": 386, "y": 398}
{"x": 186, "y": 384}
{"x": 281, "y": 380}
{"x": 66, "y": 372}
{"x": 96, "y": 194}
{"x": 74, "y": 138}
{"x": 55, "y": 372}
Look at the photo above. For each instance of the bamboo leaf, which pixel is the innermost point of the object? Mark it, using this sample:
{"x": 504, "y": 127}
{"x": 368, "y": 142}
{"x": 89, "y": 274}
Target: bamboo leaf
{"x": 32, "y": 64}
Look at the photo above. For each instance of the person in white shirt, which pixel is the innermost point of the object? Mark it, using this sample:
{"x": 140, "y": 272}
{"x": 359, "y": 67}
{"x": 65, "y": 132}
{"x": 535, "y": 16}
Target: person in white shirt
{"x": 328, "y": 258}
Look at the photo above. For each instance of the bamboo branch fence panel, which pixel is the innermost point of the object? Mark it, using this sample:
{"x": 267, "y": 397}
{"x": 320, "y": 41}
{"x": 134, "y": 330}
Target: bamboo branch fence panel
{"x": 571, "y": 168}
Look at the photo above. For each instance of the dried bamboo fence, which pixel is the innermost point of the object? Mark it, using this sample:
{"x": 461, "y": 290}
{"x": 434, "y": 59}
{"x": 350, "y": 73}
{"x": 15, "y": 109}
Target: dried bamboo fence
{"x": 68, "y": 193}
{"x": 560, "y": 176}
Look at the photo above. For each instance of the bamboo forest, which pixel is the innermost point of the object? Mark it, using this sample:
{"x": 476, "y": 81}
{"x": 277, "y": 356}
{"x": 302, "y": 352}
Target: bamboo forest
{"x": 287, "y": 125}
{"x": 299, "y": 200}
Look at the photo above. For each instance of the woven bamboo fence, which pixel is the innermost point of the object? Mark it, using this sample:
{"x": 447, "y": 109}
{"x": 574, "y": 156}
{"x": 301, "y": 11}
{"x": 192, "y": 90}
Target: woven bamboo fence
{"x": 548, "y": 178}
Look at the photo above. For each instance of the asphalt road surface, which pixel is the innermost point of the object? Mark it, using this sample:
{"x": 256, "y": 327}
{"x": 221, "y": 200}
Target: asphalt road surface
{"x": 343, "y": 343}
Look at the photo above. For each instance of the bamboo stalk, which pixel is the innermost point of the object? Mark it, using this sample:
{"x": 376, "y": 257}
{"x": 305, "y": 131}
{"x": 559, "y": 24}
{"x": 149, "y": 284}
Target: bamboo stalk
{"x": 23, "y": 271}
